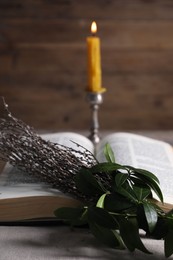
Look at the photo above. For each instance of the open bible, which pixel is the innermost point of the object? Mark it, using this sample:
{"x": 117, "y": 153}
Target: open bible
{"x": 24, "y": 198}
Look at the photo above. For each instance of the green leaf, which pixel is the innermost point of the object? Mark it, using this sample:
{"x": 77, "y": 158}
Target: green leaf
{"x": 106, "y": 236}
{"x": 108, "y": 152}
{"x": 120, "y": 178}
{"x": 141, "y": 193}
{"x": 127, "y": 192}
{"x": 106, "y": 167}
{"x": 169, "y": 220}
{"x": 130, "y": 234}
{"x": 117, "y": 203}
{"x": 168, "y": 243}
{"x": 161, "y": 229}
{"x": 151, "y": 215}
{"x": 100, "y": 202}
{"x": 155, "y": 187}
{"x": 87, "y": 183}
{"x": 147, "y": 174}
{"x": 101, "y": 217}
{"x": 137, "y": 181}
{"x": 76, "y": 216}
{"x": 151, "y": 183}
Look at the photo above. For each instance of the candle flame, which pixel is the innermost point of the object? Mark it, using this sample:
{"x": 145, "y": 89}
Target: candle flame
{"x": 93, "y": 27}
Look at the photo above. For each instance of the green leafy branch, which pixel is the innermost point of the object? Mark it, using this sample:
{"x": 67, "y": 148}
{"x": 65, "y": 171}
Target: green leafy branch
{"x": 120, "y": 207}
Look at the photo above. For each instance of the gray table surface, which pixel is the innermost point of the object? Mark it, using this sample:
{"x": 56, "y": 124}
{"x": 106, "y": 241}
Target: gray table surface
{"x": 60, "y": 242}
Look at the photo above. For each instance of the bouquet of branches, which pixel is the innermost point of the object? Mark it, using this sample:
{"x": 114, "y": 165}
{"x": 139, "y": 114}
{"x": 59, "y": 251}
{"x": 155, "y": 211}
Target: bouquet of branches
{"x": 116, "y": 199}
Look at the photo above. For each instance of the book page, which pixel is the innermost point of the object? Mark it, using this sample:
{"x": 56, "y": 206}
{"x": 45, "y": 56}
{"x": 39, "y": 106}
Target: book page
{"x": 145, "y": 153}
{"x": 15, "y": 183}
{"x": 71, "y": 140}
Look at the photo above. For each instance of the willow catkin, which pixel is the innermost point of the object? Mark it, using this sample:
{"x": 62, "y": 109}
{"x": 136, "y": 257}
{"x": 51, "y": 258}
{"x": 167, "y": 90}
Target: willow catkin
{"x": 50, "y": 162}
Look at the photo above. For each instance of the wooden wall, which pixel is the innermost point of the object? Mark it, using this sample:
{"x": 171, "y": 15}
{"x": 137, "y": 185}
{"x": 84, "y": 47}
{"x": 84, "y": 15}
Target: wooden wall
{"x": 43, "y": 62}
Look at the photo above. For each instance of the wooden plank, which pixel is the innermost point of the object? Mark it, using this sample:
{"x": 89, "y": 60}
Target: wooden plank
{"x": 44, "y": 109}
{"x": 74, "y": 60}
{"x": 151, "y": 35}
{"x": 98, "y": 9}
{"x": 120, "y": 35}
{"x": 77, "y": 116}
{"x": 6, "y": 63}
{"x": 61, "y": 31}
{"x": 134, "y": 102}
{"x": 135, "y": 61}
{"x": 65, "y": 82}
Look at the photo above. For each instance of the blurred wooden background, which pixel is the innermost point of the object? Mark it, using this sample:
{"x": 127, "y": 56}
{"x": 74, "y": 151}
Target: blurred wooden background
{"x": 43, "y": 62}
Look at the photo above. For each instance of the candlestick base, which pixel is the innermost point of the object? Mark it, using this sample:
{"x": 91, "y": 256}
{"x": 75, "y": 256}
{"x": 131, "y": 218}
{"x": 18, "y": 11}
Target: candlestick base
{"x": 95, "y": 100}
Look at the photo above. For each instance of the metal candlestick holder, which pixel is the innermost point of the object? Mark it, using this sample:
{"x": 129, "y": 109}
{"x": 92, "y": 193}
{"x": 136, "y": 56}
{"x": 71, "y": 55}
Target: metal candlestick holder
{"x": 95, "y": 100}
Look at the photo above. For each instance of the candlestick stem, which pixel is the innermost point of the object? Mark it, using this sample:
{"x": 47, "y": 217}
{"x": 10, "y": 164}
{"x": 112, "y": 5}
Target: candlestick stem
{"x": 95, "y": 100}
